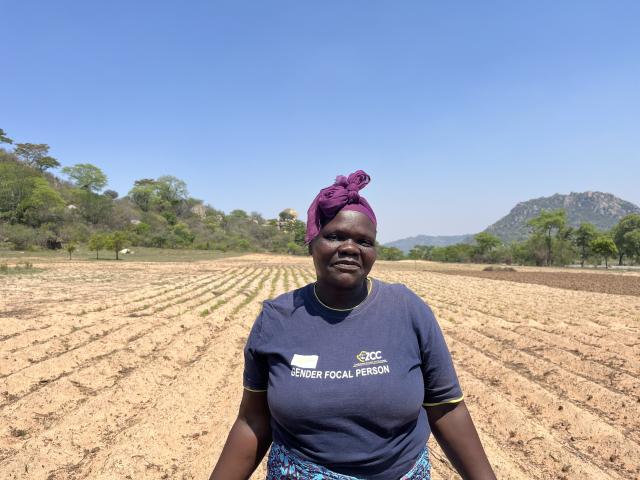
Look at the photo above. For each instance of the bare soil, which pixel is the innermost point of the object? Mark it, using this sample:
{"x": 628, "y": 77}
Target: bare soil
{"x": 133, "y": 370}
{"x": 614, "y": 283}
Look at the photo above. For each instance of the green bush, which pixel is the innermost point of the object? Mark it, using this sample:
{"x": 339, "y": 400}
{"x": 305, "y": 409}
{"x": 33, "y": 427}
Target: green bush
{"x": 21, "y": 237}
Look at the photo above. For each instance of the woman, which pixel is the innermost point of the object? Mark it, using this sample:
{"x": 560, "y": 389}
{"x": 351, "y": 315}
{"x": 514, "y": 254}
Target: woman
{"x": 345, "y": 378}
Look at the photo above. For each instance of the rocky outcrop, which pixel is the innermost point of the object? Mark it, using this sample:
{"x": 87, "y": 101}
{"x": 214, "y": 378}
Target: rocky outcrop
{"x": 603, "y": 210}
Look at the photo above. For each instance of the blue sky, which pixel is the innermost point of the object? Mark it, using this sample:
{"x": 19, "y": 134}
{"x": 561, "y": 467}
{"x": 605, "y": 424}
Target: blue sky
{"x": 457, "y": 110}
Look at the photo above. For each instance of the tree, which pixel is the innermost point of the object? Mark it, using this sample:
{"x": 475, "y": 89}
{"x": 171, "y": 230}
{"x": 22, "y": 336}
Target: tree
{"x": 97, "y": 242}
{"x": 144, "y": 193}
{"x": 584, "y": 235}
{"x": 4, "y": 138}
{"x": 389, "y": 253}
{"x": 625, "y": 225}
{"x": 70, "y": 248}
{"x": 86, "y": 176}
{"x": 421, "y": 252}
{"x": 295, "y": 249}
{"x": 299, "y": 229}
{"x": 183, "y": 236}
{"x": 238, "y": 213}
{"x": 40, "y": 205}
{"x": 116, "y": 241}
{"x": 458, "y": 253}
{"x": 17, "y": 181}
{"x": 632, "y": 244}
{"x": 605, "y": 247}
{"x": 36, "y": 155}
{"x": 112, "y": 194}
{"x": 485, "y": 243}
{"x": 167, "y": 195}
{"x": 172, "y": 192}
{"x": 94, "y": 208}
{"x": 546, "y": 224}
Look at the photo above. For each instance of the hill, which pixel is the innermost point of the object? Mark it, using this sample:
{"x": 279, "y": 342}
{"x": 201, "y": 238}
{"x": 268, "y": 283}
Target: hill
{"x": 39, "y": 210}
{"x": 406, "y": 244}
{"x": 603, "y": 210}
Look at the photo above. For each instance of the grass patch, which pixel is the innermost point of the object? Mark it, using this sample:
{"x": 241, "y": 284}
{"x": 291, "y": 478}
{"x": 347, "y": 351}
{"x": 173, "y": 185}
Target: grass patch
{"x": 18, "y": 268}
{"x": 141, "y": 254}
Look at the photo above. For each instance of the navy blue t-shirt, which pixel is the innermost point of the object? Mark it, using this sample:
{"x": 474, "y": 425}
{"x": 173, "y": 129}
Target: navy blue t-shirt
{"x": 346, "y": 389}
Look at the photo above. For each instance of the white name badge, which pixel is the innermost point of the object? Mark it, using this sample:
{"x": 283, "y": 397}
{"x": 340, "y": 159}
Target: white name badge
{"x": 304, "y": 361}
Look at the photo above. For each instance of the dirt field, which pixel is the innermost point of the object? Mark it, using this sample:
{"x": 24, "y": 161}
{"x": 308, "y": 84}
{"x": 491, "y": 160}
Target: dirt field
{"x": 614, "y": 283}
{"x": 133, "y": 370}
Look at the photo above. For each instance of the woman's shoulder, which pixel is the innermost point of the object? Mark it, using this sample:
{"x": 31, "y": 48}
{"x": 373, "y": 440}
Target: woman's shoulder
{"x": 396, "y": 289}
{"x": 278, "y": 314}
{"x": 395, "y": 293}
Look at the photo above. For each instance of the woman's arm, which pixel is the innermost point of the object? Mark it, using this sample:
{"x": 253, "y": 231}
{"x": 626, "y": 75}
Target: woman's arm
{"x": 452, "y": 426}
{"x": 248, "y": 440}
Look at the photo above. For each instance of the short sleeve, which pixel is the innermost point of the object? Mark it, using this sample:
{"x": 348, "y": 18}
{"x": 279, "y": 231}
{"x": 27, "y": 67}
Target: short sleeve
{"x": 256, "y": 368}
{"x": 441, "y": 384}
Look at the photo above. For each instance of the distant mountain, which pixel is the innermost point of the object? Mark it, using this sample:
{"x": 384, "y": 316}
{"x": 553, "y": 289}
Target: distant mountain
{"x": 407, "y": 244}
{"x": 604, "y": 210}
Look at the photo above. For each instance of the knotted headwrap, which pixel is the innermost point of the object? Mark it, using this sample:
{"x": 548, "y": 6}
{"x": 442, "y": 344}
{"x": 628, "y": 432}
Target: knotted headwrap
{"x": 342, "y": 195}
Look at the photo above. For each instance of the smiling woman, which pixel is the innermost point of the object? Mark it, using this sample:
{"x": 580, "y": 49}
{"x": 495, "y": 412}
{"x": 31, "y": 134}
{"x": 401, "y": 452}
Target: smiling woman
{"x": 343, "y": 254}
{"x": 346, "y": 377}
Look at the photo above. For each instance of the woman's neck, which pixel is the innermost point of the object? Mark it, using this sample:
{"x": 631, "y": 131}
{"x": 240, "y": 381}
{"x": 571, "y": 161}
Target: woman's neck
{"x": 341, "y": 298}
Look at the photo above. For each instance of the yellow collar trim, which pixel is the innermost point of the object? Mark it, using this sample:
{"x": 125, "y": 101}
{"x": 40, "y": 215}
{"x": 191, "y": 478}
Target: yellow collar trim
{"x": 369, "y": 288}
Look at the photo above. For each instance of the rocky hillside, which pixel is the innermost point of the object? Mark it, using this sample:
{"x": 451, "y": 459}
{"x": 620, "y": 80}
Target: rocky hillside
{"x": 604, "y": 210}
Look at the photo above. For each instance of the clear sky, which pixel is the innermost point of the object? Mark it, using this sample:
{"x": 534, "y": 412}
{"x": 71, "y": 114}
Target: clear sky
{"x": 457, "y": 110}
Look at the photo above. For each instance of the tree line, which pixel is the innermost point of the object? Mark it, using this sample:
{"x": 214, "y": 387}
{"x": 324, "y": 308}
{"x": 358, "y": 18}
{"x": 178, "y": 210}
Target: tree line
{"x": 551, "y": 242}
{"x": 40, "y": 210}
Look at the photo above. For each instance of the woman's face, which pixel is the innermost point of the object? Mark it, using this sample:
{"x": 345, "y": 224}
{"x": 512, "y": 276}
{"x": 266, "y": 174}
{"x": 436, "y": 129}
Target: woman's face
{"x": 344, "y": 251}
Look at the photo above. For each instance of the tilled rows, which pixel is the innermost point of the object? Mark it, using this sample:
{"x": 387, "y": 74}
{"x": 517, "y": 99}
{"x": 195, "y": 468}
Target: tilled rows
{"x": 134, "y": 371}
{"x": 70, "y": 398}
{"x": 614, "y": 283}
{"x": 551, "y": 376}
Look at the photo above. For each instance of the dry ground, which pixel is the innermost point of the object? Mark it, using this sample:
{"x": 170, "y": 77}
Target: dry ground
{"x": 614, "y": 283}
{"x": 133, "y": 370}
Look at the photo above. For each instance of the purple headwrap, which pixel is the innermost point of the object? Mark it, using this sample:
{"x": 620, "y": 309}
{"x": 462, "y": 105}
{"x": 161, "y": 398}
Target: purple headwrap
{"x": 342, "y": 195}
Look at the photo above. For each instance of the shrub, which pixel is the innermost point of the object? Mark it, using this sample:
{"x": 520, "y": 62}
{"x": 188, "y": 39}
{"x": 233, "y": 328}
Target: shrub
{"x": 20, "y": 237}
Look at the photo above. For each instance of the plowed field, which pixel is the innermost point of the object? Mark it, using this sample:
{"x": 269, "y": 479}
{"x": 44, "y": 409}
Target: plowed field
{"x": 133, "y": 370}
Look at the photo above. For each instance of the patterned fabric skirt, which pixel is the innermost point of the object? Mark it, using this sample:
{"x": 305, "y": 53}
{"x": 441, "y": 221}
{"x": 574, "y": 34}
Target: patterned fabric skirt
{"x": 286, "y": 465}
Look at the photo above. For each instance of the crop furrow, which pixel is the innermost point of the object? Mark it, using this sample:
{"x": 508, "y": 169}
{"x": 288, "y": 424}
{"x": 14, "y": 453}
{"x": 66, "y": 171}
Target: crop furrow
{"x": 181, "y": 356}
{"x": 552, "y": 338}
{"x": 79, "y": 357}
{"x": 274, "y": 283}
{"x": 521, "y": 432}
{"x": 58, "y": 334}
{"x": 610, "y": 407}
{"x": 177, "y": 299}
{"x": 571, "y": 426}
{"x": 609, "y": 378}
{"x": 160, "y": 377}
{"x": 613, "y": 379}
{"x": 27, "y": 359}
{"x": 43, "y": 337}
{"x": 197, "y": 447}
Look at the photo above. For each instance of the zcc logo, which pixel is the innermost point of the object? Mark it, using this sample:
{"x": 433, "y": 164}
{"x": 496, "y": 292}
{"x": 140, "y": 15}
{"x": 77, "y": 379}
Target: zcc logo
{"x": 364, "y": 356}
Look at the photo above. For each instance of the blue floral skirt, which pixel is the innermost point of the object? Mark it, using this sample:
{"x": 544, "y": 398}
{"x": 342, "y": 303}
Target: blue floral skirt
{"x": 286, "y": 465}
